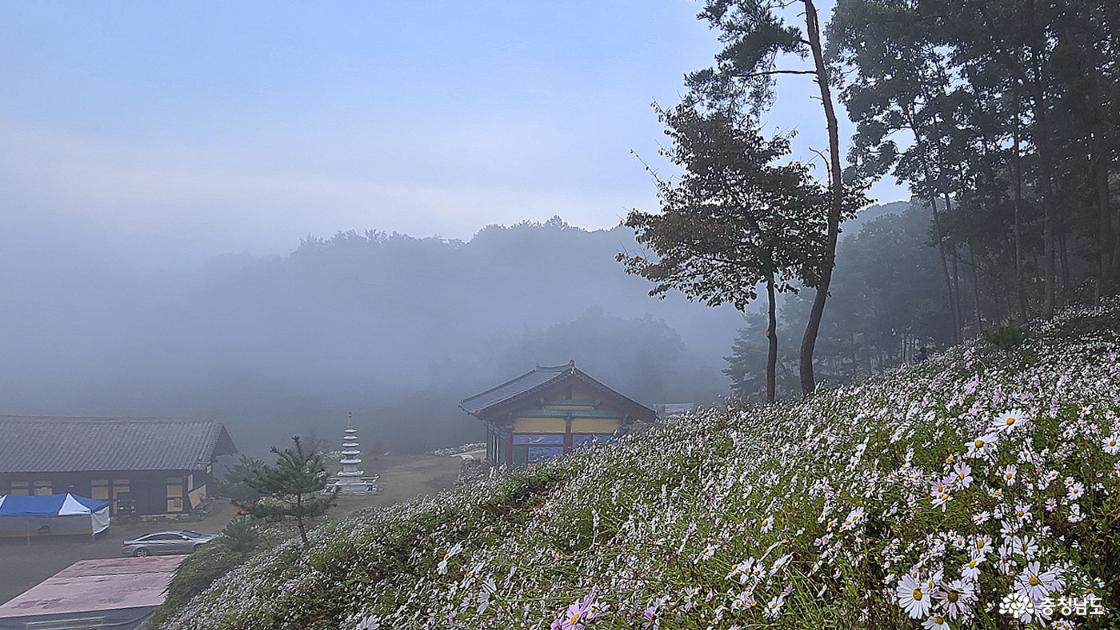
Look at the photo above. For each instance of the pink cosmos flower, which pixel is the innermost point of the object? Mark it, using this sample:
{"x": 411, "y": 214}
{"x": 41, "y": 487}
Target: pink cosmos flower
{"x": 577, "y": 614}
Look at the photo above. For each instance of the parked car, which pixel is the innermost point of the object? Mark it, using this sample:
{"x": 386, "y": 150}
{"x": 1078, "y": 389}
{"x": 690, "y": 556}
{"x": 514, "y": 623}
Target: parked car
{"x": 167, "y": 542}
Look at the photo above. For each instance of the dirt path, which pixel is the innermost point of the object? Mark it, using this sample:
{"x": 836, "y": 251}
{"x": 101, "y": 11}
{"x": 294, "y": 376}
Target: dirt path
{"x": 402, "y": 478}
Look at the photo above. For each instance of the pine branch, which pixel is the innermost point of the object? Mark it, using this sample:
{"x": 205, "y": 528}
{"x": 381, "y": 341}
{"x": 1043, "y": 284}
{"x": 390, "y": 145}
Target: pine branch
{"x": 764, "y": 73}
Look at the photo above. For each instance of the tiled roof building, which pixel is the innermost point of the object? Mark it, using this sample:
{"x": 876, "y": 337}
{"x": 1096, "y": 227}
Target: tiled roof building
{"x": 549, "y": 411}
{"x": 139, "y": 465}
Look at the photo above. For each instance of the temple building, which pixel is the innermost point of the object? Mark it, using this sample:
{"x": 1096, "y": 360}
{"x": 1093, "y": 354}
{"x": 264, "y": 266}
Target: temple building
{"x": 550, "y": 411}
{"x": 138, "y": 465}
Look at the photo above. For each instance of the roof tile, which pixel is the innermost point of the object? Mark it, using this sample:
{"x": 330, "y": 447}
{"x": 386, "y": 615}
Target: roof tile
{"x": 40, "y": 444}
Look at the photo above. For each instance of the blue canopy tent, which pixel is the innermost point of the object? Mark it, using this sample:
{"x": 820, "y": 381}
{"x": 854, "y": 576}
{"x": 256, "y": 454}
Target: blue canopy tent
{"x": 52, "y": 515}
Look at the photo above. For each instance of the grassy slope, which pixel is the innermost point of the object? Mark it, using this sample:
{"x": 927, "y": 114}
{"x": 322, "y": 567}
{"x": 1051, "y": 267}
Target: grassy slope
{"x": 653, "y": 528}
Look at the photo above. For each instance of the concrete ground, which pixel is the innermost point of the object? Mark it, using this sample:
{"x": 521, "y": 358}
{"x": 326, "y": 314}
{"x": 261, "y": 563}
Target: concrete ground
{"x": 27, "y": 565}
{"x": 401, "y": 478}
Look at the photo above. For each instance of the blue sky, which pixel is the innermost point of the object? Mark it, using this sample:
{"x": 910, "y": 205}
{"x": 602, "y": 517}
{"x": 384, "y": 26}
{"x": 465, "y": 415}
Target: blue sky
{"x": 204, "y": 127}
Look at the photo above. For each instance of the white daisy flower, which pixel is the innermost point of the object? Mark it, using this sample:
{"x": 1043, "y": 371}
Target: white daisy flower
{"x": 1075, "y": 515}
{"x": 1008, "y": 474}
{"x": 964, "y": 474}
{"x": 774, "y": 606}
{"x": 743, "y": 600}
{"x": 936, "y": 622}
{"x": 982, "y": 445}
{"x": 1112, "y": 444}
{"x": 913, "y": 596}
{"x": 441, "y": 568}
{"x": 971, "y": 569}
{"x": 981, "y": 545}
{"x": 1009, "y": 421}
{"x": 956, "y": 596}
{"x": 766, "y": 524}
{"x": 742, "y": 570}
{"x": 1075, "y": 491}
{"x": 1037, "y": 584}
{"x": 855, "y": 517}
{"x": 939, "y": 492}
{"x": 1027, "y": 546}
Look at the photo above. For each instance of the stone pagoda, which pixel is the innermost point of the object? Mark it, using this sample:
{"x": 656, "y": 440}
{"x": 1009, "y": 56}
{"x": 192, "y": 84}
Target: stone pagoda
{"x": 350, "y": 479}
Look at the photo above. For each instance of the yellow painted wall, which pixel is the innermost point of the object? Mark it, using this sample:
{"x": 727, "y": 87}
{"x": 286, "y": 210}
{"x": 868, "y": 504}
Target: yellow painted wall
{"x": 594, "y": 425}
{"x": 539, "y": 425}
{"x": 558, "y": 406}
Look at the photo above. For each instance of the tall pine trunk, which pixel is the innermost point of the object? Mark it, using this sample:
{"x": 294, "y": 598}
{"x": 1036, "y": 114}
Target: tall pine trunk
{"x": 771, "y": 342}
{"x": 1045, "y": 165}
{"x": 954, "y": 306}
{"x": 836, "y": 182}
{"x": 1018, "y": 199}
{"x": 975, "y": 287}
{"x": 1104, "y": 233}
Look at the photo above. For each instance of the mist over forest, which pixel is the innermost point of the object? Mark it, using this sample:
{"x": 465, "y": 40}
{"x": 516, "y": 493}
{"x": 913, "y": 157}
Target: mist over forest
{"x": 392, "y": 328}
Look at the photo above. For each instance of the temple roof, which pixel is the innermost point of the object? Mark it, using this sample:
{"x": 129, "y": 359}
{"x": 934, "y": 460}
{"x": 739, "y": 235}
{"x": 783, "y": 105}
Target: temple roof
{"x": 40, "y": 444}
{"x": 537, "y": 380}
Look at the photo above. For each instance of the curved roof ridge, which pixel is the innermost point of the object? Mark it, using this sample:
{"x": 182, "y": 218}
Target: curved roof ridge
{"x": 537, "y": 379}
{"x": 562, "y": 366}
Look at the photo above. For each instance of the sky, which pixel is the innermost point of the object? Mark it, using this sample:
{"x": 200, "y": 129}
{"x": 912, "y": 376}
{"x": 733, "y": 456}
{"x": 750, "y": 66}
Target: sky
{"x": 184, "y": 130}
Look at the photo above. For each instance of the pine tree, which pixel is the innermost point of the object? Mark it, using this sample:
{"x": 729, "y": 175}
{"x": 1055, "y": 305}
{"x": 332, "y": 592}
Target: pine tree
{"x": 755, "y": 35}
{"x": 292, "y": 488}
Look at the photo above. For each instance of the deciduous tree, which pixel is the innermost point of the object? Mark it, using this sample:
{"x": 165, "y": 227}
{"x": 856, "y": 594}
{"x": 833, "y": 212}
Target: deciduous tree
{"x": 734, "y": 219}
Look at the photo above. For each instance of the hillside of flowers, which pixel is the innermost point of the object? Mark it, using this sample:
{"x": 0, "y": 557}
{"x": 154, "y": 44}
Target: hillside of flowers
{"x": 978, "y": 490}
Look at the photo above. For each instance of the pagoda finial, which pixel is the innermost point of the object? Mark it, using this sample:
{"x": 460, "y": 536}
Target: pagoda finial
{"x": 349, "y": 419}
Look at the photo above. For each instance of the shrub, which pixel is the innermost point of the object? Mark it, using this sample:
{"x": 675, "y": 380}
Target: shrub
{"x": 236, "y": 542}
{"x": 1006, "y": 336}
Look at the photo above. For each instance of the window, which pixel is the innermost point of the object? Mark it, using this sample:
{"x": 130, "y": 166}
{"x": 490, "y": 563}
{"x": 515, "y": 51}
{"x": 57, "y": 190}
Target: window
{"x": 174, "y": 494}
{"x": 43, "y": 488}
{"x": 158, "y": 537}
{"x": 99, "y": 489}
{"x": 19, "y": 488}
{"x": 174, "y": 487}
{"x": 120, "y": 486}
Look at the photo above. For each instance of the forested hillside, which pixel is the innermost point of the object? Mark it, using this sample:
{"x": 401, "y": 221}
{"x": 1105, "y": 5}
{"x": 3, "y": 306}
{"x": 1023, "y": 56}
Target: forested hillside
{"x": 919, "y": 498}
{"x": 393, "y": 328}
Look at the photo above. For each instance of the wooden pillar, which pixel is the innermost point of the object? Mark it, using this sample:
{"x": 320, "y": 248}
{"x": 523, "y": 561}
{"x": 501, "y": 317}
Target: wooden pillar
{"x": 509, "y": 448}
{"x": 568, "y": 432}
